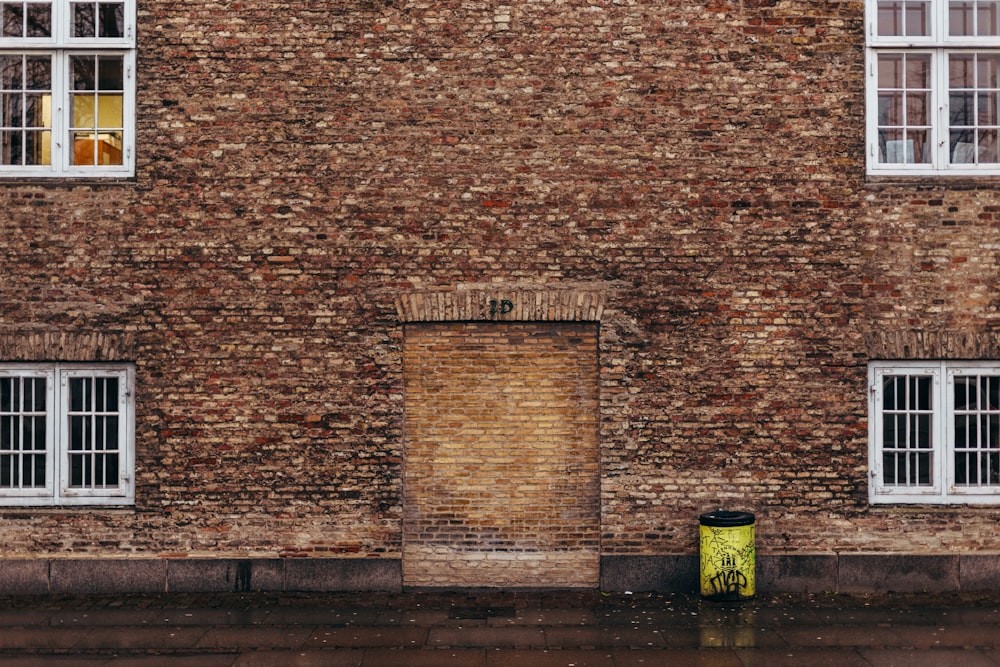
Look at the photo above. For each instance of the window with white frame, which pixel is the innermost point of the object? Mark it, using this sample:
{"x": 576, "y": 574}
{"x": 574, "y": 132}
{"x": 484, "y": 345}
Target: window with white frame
{"x": 933, "y": 87}
{"x": 66, "y": 434}
{"x": 67, "y": 88}
{"x": 934, "y": 432}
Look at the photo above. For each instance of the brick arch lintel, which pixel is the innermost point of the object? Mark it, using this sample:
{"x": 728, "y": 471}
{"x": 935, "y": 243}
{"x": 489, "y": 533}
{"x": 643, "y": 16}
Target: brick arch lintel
{"x": 932, "y": 345}
{"x": 503, "y": 303}
{"x": 66, "y": 346}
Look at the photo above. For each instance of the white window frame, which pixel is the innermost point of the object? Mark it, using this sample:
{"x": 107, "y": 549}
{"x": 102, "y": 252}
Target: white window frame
{"x": 58, "y": 490}
{"x": 938, "y": 45}
{"x": 61, "y": 46}
{"x": 942, "y": 488}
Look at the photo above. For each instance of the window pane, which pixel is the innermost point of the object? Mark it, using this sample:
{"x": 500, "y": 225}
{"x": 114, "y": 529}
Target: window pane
{"x": 39, "y": 19}
{"x": 13, "y": 19}
{"x": 987, "y": 108}
{"x": 917, "y": 18}
{"x": 962, "y": 109}
{"x": 890, "y": 18}
{"x": 11, "y": 113}
{"x": 961, "y": 18}
{"x": 918, "y": 71}
{"x": 11, "y": 76}
{"x": 111, "y": 77}
{"x": 84, "y": 23}
{"x": 78, "y": 394}
{"x": 986, "y": 70}
{"x": 83, "y": 72}
{"x": 890, "y": 109}
{"x": 38, "y": 73}
{"x": 918, "y": 142}
{"x": 988, "y": 147}
{"x": 986, "y": 19}
{"x": 917, "y": 105}
{"x": 963, "y": 146}
{"x": 890, "y": 71}
{"x": 961, "y": 70}
{"x": 111, "y": 19}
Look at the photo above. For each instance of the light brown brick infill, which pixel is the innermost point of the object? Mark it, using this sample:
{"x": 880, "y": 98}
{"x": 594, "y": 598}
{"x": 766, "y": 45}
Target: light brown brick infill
{"x": 501, "y": 455}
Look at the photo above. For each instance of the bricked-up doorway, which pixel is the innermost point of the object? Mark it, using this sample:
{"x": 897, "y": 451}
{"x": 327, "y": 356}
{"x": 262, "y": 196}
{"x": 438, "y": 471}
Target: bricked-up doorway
{"x": 501, "y": 473}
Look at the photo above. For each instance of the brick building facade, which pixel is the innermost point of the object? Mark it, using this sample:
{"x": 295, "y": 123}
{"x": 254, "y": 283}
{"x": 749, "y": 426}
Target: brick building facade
{"x": 413, "y": 291}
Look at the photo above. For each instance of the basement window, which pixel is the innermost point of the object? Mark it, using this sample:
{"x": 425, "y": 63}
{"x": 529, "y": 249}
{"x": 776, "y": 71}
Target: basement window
{"x": 67, "y": 88}
{"x": 933, "y": 87}
{"x": 934, "y": 432}
{"x": 66, "y": 434}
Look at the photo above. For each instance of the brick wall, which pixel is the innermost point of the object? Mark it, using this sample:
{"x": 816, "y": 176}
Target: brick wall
{"x": 501, "y": 455}
{"x": 304, "y": 169}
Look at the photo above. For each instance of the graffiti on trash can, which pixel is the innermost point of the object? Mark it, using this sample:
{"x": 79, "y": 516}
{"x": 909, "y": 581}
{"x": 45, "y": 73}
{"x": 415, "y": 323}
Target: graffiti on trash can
{"x": 728, "y": 561}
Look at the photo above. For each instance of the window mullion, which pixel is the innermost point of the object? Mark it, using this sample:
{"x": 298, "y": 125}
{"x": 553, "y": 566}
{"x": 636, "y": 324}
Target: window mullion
{"x": 62, "y": 442}
{"x": 59, "y": 103}
{"x": 939, "y": 100}
{"x": 945, "y": 431}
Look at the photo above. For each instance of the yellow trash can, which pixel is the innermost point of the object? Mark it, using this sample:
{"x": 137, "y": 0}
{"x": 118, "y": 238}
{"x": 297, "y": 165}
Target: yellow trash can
{"x": 727, "y": 555}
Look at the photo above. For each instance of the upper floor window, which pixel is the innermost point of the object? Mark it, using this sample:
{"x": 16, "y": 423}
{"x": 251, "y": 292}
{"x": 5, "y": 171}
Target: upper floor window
{"x": 67, "y": 88}
{"x": 933, "y": 87}
{"x": 934, "y": 432}
{"x": 67, "y": 434}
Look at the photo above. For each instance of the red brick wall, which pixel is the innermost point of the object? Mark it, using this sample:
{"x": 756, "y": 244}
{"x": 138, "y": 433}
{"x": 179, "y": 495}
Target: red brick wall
{"x": 301, "y": 167}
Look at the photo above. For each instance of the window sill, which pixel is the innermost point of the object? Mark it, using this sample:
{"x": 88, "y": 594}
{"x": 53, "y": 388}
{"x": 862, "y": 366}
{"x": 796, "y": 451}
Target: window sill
{"x": 65, "y": 181}
{"x": 9, "y": 511}
{"x": 934, "y": 181}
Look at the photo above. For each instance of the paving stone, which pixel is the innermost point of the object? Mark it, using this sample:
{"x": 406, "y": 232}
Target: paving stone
{"x": 487, "y": 637}
{"x": 550, "y": 658}
{"x": 255, "y": 637}
{"x": 323, "y": 616}
{"x": 949, "y": 636}
{"x": 131, "y": 637}
{"x": 799, "y": 657}
{"x": 929, "y": 658}
{"x": 687, "y": 658}
{"x": 603, "y": 637}
{"x": 379, "y": 636}
{"x": 841, "y": 635}
{"x": 42, "y": 638}
{"x": 302, "y": 658}
{"x": 425, "y": 657}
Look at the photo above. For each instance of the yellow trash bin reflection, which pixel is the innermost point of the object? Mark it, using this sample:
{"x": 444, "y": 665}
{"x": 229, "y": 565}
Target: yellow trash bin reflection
{"x": 727, "y": 555}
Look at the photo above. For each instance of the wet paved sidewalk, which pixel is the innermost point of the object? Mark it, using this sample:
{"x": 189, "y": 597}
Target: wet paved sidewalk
{"x": 499, "y": 629}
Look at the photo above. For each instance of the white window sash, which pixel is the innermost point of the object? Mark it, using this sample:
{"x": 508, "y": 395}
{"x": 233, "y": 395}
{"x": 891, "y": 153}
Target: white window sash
{"x": 15, "y": 495}
{"x": 879, "y": 491}
{"x": 62, "y": 33}
{"x": 944, "y": 490}
{"x": 986, "y": 493}
{"x": 66, "y": 491}
{"x": 939, "y": 44}
{"x": 61, "y": 46}
{"x": 58, "y": 491}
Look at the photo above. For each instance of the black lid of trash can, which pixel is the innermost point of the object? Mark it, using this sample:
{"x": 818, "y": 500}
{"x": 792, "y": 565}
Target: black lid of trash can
{"x": 726, "y": 519}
